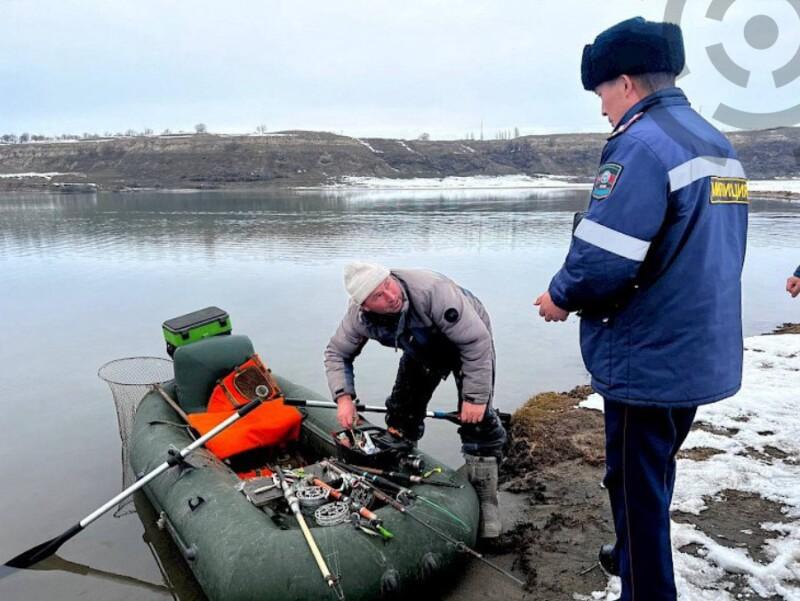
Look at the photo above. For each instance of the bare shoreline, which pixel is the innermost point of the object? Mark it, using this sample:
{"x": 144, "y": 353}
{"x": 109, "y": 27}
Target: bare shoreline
{"x": 557, "y": 515}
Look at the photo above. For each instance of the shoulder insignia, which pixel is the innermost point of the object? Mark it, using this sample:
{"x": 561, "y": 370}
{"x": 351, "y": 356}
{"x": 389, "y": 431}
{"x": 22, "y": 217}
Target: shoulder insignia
{"x": 621, "y": 129}
{"x": 729, "y": 190}
{"x": 607, "y": 177}
{"x": 451, "y": 315}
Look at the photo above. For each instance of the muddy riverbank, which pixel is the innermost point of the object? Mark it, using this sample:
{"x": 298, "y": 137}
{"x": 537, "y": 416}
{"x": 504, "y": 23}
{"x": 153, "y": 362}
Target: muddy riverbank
{"x": 557, "y": 515}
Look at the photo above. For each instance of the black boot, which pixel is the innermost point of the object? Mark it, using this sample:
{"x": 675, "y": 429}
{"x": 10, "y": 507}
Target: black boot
{"x": 608, "y": 560}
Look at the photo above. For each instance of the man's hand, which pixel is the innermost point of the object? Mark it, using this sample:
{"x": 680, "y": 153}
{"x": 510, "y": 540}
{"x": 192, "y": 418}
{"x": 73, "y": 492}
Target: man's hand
{"x": 471, "y": 413}
{"x": 346, "y": 411}
{"x": 549, "y": 310}
{"x": 793, "y": 286}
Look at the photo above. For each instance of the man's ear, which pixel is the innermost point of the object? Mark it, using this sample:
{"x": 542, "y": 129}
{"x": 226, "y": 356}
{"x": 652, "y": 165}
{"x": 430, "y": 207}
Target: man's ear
{"x": 627, "y": 82}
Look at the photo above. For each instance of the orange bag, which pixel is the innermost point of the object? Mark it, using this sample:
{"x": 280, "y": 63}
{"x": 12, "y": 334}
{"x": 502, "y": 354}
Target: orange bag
{"x": 270, "y": 424}
{"x": 261, "y": 472}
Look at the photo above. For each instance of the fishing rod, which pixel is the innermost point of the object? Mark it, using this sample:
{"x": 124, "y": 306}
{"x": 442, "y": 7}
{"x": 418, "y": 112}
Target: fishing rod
{"x": 377, "y": 480}
{"x": 365, "y": 513}
{"x": 406, "y": 479}
{"x": 460, "y": 545}
{"x": 294, "y": 505}
{"x": 403, "y": 493}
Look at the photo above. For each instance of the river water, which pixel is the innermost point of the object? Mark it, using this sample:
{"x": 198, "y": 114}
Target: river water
{"x": 87, "y": 279}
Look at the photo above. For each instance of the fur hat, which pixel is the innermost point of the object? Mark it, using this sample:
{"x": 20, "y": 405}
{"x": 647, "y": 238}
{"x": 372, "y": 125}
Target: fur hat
{"x": 633, "y": 47}
{"x": 361, "y": 279}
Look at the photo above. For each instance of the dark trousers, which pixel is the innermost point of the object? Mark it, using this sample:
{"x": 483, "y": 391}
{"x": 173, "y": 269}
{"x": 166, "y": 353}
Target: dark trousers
{"x": 641, "y": 444}
{"x": 413, "y": 388}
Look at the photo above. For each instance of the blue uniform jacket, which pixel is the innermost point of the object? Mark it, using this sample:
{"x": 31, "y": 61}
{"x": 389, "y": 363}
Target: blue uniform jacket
{"x": 655, "y": 264}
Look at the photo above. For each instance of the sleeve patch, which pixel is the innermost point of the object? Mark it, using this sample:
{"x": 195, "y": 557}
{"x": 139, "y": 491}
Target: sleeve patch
{"x": 451, "y": 315}
{"x": 729, "y": 190}
{"x": 607, "y": 177}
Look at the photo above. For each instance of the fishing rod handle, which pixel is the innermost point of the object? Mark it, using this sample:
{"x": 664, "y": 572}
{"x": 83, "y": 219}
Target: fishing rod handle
{"x": 451, "y": 416}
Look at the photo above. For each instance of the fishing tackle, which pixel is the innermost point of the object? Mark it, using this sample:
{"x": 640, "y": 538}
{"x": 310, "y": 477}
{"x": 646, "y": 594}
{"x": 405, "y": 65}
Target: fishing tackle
{"x": 406, "y": 479}
{"x": 294, "y": 505}
{"x": 460, "y": 545}
{"x": 372, "y": 519}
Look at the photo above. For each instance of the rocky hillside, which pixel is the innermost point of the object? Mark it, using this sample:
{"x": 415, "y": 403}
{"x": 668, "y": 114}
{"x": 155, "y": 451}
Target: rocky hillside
{"x": 308, "y": 158}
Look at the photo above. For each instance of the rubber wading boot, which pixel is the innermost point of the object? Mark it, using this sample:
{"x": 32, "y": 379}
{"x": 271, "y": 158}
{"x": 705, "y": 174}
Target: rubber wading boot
{"x": 482, "y": 474}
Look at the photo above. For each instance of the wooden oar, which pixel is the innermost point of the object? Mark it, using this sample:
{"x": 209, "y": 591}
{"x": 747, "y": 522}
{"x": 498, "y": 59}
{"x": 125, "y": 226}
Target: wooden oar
{"x": 46, "y": 549}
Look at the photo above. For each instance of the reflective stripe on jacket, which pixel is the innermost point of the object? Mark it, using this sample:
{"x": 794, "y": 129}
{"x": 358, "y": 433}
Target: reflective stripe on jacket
{"x": 655, "y": 265}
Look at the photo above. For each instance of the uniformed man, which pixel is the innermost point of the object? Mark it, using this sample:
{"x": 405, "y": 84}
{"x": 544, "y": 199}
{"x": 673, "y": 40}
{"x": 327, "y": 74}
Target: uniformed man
{"x": 655, "y": 270}
{"x": 793, "y": 283}
{"x": 441, "y": 328}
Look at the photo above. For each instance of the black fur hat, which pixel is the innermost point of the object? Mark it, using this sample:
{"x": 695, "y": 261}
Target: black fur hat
{"x": 633, "y": 47}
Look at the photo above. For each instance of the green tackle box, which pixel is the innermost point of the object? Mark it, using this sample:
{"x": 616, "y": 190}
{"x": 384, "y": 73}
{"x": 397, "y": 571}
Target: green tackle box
{"x": 183, "y": 330}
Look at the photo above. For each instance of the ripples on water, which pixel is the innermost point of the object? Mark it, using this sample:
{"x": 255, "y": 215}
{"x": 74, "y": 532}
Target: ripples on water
{"x": 291, "y": 228}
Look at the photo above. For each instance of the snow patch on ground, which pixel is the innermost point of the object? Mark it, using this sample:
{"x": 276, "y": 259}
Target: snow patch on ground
{"x": 481, "y": 182}
{"x": 407, "y": 147}
{"x": 508, "y": 187}
{"x": 775, "y": 185}
{"x": 268, "y": 135}
{"x": 762, "y": 416}
{"x": 48, "y": 175}
{"x": 367, "y": 144}
{"x": 593, "y": 401}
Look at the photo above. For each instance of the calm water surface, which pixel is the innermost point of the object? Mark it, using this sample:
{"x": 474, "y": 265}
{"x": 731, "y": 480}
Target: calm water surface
{"x": 86, "y": 279}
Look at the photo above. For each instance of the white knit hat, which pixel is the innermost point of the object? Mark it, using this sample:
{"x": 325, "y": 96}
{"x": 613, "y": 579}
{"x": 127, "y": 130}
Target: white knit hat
{"x": 361, "y": 279}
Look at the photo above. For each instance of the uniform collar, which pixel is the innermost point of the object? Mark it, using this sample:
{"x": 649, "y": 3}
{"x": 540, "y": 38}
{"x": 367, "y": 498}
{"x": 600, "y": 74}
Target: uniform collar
{"x": 665, "y": 97}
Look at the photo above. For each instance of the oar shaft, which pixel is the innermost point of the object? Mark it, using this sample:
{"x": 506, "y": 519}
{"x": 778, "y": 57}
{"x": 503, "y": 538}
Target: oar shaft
{"x": 46, "y": 549}
{"x": 450, "y": 416}
{"x": 330, "y": 405}
{"x": 166, "y": 465}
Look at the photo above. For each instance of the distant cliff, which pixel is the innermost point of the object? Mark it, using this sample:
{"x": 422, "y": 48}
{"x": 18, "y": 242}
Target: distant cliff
{"x": 295, "y": 158}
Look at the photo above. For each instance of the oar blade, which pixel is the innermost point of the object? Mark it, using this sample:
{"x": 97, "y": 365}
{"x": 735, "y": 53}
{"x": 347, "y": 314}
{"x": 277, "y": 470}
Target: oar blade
{"x": 36, "y": 554}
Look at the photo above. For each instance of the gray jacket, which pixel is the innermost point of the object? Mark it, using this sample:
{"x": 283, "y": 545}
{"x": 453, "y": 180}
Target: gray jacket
{"x": 442, "y": 325}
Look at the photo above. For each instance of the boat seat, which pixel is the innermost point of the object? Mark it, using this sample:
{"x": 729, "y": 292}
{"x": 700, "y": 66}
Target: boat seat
{"x": 199, "y": 365}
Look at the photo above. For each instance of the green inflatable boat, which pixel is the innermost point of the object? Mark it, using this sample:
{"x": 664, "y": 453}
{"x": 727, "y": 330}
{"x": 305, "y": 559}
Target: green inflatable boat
{"x": 239, "y": 536}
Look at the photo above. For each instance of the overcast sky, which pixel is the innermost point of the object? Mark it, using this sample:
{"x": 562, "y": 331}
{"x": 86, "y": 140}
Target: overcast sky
{"x": 362, "y": 68}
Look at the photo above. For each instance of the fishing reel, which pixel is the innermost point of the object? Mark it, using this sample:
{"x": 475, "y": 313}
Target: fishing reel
{"x": 412, "y": 463}
{"x": 311, "y": 497}
{"x": 332, "y": 514}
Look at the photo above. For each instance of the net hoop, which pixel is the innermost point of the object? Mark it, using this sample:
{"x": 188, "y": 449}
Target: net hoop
{"x": 136, "y": 371}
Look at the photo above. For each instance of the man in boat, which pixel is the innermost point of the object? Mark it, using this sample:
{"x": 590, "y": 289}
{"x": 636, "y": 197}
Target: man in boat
{"x": 793, "y": 283}
{"x": 655, "y": 270}
{"x": 441, "y": 328}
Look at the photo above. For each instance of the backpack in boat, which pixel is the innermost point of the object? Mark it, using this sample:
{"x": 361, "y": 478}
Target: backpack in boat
{"x": 271, "y": 424}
